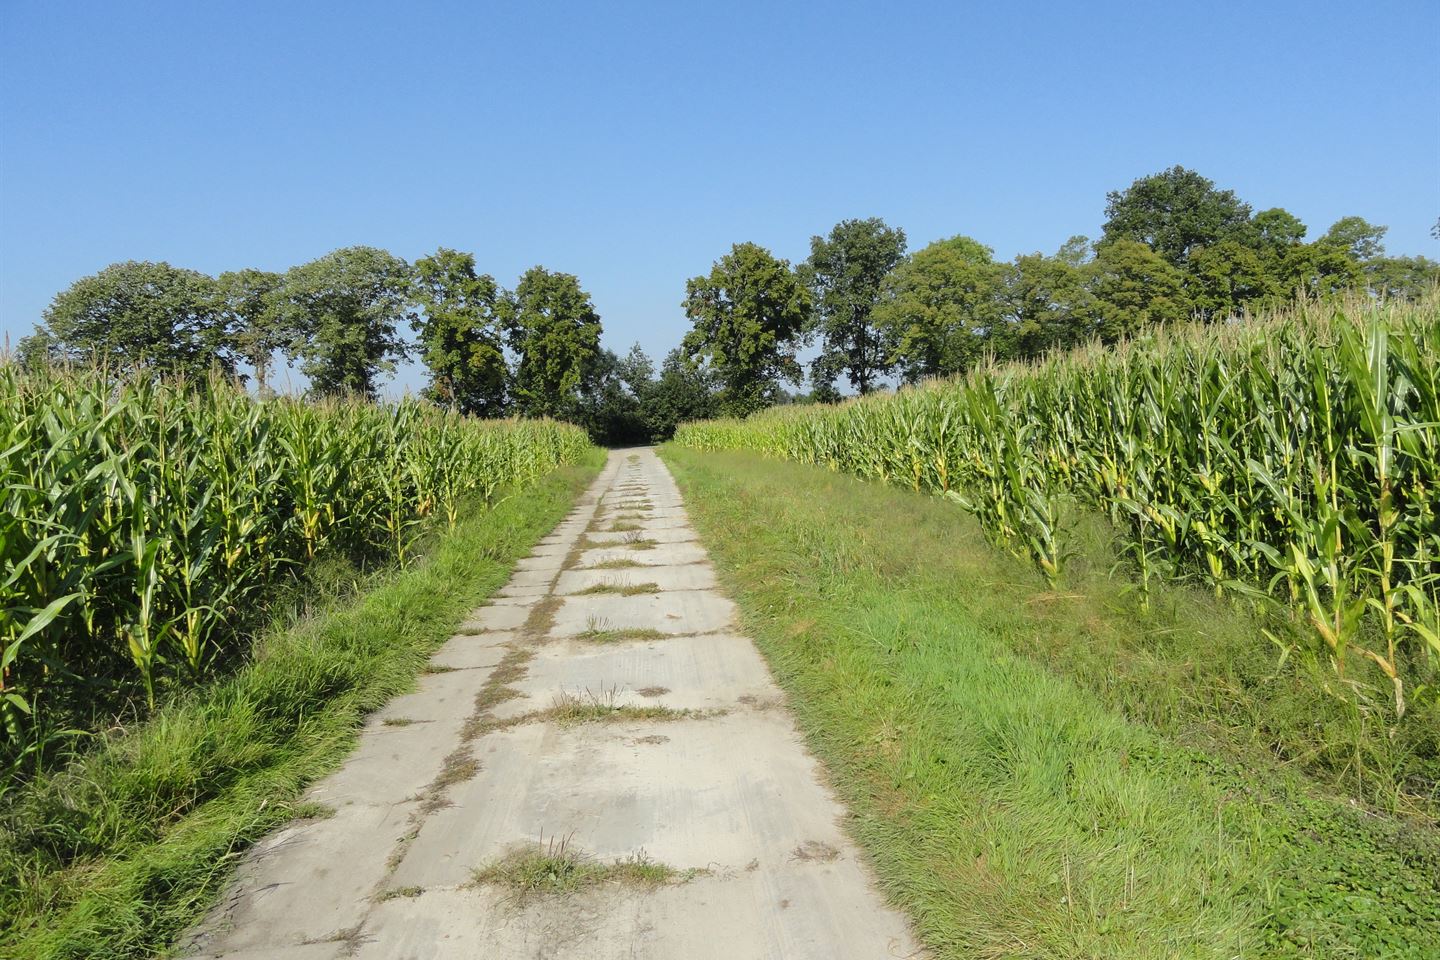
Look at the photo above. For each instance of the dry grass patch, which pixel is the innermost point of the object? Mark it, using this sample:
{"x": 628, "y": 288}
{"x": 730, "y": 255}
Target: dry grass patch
{"x": 400, "y": 893}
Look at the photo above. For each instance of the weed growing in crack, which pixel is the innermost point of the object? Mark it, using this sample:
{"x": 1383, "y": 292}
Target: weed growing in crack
{"x": 623, "y": 589}
{"x": 570, "y": 709}
{"x": 556, "y": 868}
{"x": 617, "y": 563}
{"x": 399, "y": 893}
{"x": 600, "y": 635}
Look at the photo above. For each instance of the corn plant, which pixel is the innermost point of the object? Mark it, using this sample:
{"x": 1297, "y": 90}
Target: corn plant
{"x": 143, "y": 519}
{"x": 1294, "y": 457}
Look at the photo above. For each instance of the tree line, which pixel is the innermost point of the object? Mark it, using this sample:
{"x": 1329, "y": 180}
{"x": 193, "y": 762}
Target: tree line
{"x": 1173, "y": 246}
{"x": 530, "y": 351}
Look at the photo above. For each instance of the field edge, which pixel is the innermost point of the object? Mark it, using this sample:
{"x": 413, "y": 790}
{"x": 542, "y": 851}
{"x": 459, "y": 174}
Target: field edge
{"x": 314, "y": 682}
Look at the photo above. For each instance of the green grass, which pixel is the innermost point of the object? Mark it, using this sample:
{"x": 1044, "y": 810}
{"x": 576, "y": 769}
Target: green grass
{"x": 556, "y": 869}
{"x": 120, "y": 852}
{"x": 618, "y": 563}
{"x": 623, "y": 635}
{"x": 1050, "y": 773}
{"x": 571, "y": 710}
{"x": 623, "y": 589}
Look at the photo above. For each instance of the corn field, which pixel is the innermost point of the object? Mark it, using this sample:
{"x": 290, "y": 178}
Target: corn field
{"x": 144, "y": 521}
{"x": 1293, "y": 459}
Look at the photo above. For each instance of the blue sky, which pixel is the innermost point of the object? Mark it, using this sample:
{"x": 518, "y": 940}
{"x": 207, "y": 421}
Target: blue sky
{"x": 633, "y": 143}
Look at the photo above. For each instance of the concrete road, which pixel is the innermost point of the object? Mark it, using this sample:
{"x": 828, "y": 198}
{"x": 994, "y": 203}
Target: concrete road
{"x": 537, "y": 730}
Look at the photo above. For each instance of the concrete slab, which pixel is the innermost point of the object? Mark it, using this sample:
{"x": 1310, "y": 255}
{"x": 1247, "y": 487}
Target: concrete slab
{"x": 526, "y": 578}
{"x": 547, "y": 562}
{"x": 800, "y": 911}
{"x": 645, "y": 532}
{"x": 438, "y": 697}
{"x": 391, "y": 766}
{"x": 716, "y": 792}
{"x": 525, "y": 601}
{"x": 669, "y": 520}
{"x": 660, "y": 555}
{"x": 710, "y": 672}
{"x": 674, "y": 611}
{"x": 727, "y": 787}
{"x": 535, "y": 590}
{"x": 292, "y": 886}
{"x": 692, "y": 576}
{"x": 499, "y": 617}
{"x": 328, "y": 950}
{"x": 472, "y": 651}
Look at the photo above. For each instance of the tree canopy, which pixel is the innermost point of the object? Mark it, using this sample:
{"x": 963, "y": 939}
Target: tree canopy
{"x": 1173, "y": 212}
{"x": 344, "y": 312}
{"x": 139, "y": 312}
{"x": 846, "y": 273}
{"x": 1174, "y": 247}
{"x": 939, "y": 308}
{"x": 461, "y": 333}
{"x": 747, "y": 316}
{"x": 254, "y": 322}
{"x": 555, "y": 332}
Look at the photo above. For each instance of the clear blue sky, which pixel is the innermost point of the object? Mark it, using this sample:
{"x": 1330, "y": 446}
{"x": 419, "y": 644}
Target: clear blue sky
{"x": 633, "y": 143}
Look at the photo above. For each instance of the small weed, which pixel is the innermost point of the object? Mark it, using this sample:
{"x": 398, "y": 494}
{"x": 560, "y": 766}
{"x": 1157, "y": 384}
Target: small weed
{"x": 570, "y": 709}
{"x": 815, "y": 850}
{"x": 400, "y": 892}
{"x": 459, "y": 767}
{"x": 619, "y": 563}
{"x": 438, "y": 668}
{"x": 556, "y": 869}
{"x": 542, "y": 617}
{"x": 623, "y": 589}
{"x": 397, "y": 721}
{"x": 621, "y": 636}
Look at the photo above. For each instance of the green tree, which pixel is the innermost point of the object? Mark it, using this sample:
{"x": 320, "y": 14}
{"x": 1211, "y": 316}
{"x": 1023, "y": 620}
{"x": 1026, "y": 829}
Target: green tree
{"x": 1044, "y": 304}
{"x": 609, "y": 407}
{"x": 254, "y": 320}
{"x": 1277, "y": 229}
{"x": 1402, "y": 278}
{"x": 555, "y": 333}
{"x": 1133, "y": 288}
{"x": 1173, "y": 212}
{"x": 1227, "y": 277}
{"x": 344, "y": 312}
{"x": 1324, "y": 269}
{"x": 940, "y": 308}
{"x": 684, "y": 392}
{"x": 748, "y": 314}
{"x": 461, "y": 333}
{"x": 139, "y": 312}
{"x": 1359, "y": 239}
{"x": 846, "y": 271}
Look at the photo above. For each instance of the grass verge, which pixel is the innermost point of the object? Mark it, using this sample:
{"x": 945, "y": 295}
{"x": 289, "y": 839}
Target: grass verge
{"x": 118, "y": 853}
{"x": 1040, "y": 773}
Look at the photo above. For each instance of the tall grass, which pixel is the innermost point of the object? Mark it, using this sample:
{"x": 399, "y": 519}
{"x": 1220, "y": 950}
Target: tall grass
{"x": 1291, "y": 460}
{"x": 144, "y": 520}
